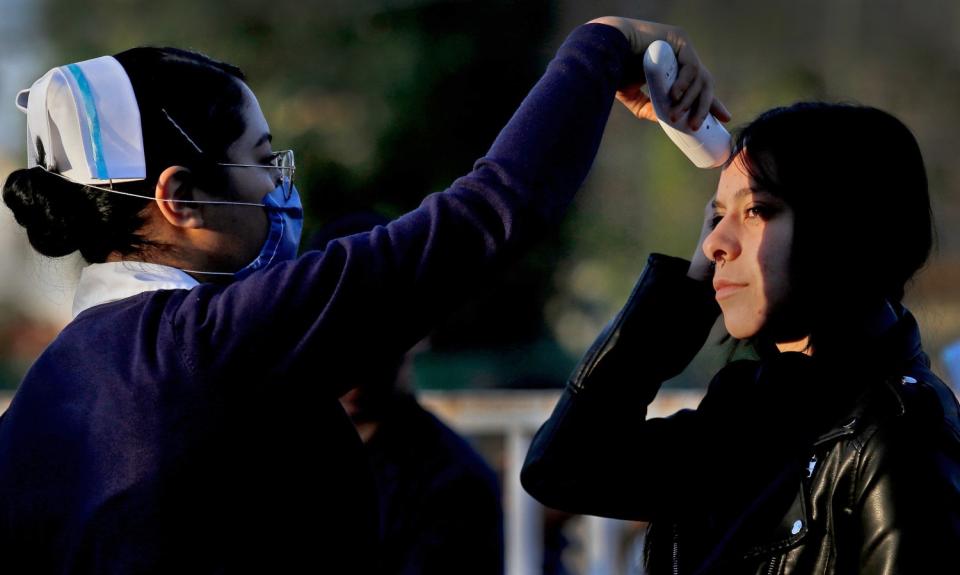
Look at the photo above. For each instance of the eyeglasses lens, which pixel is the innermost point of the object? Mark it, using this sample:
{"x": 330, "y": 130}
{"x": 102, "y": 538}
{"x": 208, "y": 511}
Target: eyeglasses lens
{"x": 284, "y": 161}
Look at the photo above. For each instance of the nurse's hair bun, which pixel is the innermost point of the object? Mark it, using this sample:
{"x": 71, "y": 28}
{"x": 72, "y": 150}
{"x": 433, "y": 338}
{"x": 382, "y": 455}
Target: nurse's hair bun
{"x": 41, "y": 203}
{"x": 61, "y": 217}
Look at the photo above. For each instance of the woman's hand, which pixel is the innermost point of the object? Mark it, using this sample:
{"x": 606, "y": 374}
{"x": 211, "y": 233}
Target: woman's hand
{"x": 693, "y": 89}
{"x": 701, "y": 268}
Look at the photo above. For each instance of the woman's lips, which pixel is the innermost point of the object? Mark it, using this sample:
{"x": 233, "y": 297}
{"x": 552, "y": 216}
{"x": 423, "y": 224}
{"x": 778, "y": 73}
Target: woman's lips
{"x": 726, "y": 288}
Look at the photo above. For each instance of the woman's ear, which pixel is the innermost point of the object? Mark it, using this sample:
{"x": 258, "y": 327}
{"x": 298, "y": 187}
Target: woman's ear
{"x": 176, "y": 183}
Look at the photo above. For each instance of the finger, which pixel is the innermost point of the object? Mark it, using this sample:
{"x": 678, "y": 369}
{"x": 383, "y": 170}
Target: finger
{"x": 720, "y": 111}
{"x": 642, "y": 108}
{"x": 628, "y": 102}
{"x": 687, "y": 74}
{"x": 647, "y": 112}
{"x": 631, "y": 92}
{"x": 702, "y": 107}
{"x": 689, "y": 97}
{"x": 635, "y": 100}
{"x": 689, "y": 68}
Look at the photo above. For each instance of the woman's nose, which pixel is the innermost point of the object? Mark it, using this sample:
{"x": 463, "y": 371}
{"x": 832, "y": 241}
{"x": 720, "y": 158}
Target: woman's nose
{"x": 721, "y": 244}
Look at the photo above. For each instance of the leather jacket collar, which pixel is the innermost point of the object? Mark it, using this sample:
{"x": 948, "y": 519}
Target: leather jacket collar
{"x": 795, "y": 392}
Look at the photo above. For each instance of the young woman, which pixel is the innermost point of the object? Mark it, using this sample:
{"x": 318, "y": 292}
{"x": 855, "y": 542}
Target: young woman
{"x": 176, "y": 424}
{"x": 835, "y": 450}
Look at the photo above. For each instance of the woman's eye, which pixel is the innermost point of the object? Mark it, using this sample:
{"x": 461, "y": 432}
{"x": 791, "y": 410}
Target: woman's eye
{"x": 715, "y": 221}
{"x": 758, "y": 211}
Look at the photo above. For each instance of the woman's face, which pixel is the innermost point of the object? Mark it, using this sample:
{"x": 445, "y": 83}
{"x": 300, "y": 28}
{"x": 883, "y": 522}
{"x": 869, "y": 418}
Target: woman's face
{"x": 750, "y": 244}
{"x": 243, "y": 229}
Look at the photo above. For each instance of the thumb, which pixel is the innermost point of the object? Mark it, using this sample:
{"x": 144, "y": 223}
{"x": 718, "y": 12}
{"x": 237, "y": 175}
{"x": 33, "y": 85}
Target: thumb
{"x": 635, "y": 100}
{"x": 646, "y": 111}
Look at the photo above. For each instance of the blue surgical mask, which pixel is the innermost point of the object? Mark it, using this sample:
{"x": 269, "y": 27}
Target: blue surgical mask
{"x": 286, "y": 226}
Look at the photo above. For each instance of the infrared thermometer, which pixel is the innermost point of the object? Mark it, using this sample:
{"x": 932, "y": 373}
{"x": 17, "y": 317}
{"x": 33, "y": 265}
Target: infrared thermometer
{"x": 709, "y": 145}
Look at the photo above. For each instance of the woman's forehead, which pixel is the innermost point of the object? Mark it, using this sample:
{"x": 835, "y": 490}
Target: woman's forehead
{"x": 735, "y": 183}
{"x": 737, "y": 186}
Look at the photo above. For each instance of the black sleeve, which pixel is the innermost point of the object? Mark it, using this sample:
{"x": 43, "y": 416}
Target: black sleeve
{"x": 598, "y": 454}
{"x": 906, "y": 504}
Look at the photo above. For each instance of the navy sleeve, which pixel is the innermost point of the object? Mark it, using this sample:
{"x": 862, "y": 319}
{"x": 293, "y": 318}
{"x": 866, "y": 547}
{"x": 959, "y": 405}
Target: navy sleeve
{"x": 371, "y": 296}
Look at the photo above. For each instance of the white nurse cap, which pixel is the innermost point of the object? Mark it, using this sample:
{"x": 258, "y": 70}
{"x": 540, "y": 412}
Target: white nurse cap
{"x": 85, "y": 115}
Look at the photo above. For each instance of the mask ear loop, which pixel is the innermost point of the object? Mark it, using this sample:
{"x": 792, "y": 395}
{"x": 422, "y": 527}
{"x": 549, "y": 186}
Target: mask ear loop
{"x": 111, "y": 190}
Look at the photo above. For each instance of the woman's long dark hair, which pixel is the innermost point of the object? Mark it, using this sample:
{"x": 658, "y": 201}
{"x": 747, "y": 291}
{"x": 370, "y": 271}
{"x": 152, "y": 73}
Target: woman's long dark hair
{"x": 855, "y": 179}
{"x": 205, "y": 97}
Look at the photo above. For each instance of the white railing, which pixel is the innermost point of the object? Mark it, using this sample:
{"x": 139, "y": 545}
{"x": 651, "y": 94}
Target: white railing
{"x": 516, "y": 415}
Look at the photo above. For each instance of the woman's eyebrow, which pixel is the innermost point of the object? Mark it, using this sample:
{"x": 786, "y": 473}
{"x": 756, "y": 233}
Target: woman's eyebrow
{"x": 737, "y": 194}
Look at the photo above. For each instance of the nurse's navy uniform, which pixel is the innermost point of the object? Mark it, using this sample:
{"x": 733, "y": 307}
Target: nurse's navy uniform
{"x": 176, "y": 427}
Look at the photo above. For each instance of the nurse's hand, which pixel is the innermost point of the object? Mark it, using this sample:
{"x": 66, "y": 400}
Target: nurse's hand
{"x": 694, "y": 88}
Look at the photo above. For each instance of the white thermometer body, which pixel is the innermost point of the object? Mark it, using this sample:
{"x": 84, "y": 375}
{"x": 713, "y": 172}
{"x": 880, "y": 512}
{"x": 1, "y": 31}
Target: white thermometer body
{"x": 709, "y": 145}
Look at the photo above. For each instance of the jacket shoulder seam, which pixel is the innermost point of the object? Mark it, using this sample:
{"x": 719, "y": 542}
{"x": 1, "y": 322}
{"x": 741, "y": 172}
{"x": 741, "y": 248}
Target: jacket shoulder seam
{"x": 859, "y": 443}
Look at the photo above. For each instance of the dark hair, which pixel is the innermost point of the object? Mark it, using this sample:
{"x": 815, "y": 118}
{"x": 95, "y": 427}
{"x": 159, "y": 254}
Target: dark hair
{"x": 202, "y": 96}
{"x": 855, "y": 179}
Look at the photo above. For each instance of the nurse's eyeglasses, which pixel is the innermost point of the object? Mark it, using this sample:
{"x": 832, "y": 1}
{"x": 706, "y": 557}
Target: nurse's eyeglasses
{"x": 282, "y": 160}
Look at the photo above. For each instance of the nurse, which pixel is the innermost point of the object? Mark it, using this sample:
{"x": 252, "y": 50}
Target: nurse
{"x": 176, "y": 424}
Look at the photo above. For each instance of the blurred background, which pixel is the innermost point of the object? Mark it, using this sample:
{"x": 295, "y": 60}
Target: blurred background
{"x": 385, "y": 101}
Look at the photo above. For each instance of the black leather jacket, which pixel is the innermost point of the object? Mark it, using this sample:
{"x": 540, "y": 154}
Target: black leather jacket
{"x": 788, "y": 465}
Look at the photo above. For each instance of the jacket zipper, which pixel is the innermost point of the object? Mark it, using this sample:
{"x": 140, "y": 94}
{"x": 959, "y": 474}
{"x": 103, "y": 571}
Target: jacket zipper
{"x": 676, "y": 564}
{"x": 811, "y": 466}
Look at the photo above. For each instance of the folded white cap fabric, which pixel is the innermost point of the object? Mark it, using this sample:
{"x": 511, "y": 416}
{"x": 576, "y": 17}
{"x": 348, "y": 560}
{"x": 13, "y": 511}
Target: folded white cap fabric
{"x": 87, "y": 119}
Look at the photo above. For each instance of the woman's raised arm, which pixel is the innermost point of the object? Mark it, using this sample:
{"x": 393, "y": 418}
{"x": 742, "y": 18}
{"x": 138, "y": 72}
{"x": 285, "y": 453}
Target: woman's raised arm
{"x": 598, "y": 453}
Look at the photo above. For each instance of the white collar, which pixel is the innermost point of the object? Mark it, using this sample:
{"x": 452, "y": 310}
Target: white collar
{"x": 112, "y": 281}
